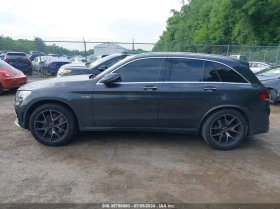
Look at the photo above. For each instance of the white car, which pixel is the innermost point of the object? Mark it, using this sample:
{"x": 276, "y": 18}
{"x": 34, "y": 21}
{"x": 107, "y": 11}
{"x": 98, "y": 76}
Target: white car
{"x": 258, "y": 66}
{"x": 78, "y": 59}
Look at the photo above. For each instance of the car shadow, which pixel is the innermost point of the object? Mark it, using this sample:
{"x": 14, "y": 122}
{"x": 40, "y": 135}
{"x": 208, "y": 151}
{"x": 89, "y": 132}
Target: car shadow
{"x": 152, "y": 138}
{"x": 8, "y": 93}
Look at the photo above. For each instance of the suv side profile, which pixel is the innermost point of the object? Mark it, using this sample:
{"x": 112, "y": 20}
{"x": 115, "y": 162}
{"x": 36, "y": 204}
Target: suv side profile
{"x": 214, "y": 96}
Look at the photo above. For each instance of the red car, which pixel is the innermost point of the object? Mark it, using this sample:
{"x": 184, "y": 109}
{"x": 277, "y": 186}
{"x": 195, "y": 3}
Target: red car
{"x": 10, "y": 78}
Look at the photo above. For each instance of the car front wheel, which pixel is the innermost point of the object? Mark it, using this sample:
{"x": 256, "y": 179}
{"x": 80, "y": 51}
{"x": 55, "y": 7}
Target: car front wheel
{"x": 52, "y": 124}
{"x": 224, "y": 129}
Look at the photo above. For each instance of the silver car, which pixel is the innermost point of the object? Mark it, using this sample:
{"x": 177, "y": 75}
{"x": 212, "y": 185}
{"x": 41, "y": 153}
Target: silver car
{"x": 259, "y": 66}
{"x": 270, "y": 78}
{"x": 38, "y": 62}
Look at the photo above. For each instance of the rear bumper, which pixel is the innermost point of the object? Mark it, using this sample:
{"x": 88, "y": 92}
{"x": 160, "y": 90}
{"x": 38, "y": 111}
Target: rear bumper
{"x": 11, "y": 83}
{"x": 53, "y": 70}
{"x": 24, "y": 69}
{"x": 259, "y": 121}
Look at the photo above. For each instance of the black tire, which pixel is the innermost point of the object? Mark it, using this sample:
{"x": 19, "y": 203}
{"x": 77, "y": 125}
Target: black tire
{"x": 221, "y": 136}
{"x": 1, "y": 89}
{"x": 55, "y": 136}
{"x": 273, "y": 96}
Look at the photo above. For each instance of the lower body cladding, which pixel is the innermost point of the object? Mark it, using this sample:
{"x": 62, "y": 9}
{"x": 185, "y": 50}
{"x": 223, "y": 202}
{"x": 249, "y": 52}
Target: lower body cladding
{"x": 257, "y": 122}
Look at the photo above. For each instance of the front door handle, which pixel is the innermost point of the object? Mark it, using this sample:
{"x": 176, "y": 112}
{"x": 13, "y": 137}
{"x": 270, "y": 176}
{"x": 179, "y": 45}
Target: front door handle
{"x": 210, "y": 88}
{"x": 153, "y": 88}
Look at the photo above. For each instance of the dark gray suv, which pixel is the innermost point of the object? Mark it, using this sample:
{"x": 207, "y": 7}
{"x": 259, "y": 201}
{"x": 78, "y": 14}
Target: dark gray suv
{"x": 215, "y": 96}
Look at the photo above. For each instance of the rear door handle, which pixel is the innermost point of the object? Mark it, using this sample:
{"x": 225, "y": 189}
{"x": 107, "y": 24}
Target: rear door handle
{"x": 150, "y": 88}
{"x": 210, "y": 88}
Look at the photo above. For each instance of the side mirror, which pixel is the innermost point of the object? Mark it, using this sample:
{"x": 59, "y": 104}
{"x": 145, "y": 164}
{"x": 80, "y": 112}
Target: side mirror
{"x": 111, "y": 78}
{"x": 102, "y": 68}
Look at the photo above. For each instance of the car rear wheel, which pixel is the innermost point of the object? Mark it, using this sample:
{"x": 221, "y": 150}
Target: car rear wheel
{"x": 52, "y": 124}
{"x": 1, "y": 89}
{"x": 225, "y": 129}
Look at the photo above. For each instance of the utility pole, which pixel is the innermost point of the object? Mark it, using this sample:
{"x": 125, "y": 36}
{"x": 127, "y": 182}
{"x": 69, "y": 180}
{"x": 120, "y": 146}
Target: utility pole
{"x": 85, "y": 46}
{"x": 228, "y": 50}
{"x": 277, "y": 54}
{"x": 132, "y": 46}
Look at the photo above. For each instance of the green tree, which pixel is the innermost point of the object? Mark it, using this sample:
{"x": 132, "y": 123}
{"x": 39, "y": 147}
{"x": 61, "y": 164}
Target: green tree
{"x": 250, "y": 22}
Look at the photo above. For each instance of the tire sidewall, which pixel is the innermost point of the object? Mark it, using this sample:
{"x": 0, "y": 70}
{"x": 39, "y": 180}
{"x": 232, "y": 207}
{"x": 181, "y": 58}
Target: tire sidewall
{"x": 67, "y": 114}
{"x": 209, "y": 121}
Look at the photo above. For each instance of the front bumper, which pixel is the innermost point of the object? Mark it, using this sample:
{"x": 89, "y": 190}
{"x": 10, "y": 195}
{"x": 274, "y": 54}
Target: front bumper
{"x": 16, "y": 121}
{"x": 19, "y": 117}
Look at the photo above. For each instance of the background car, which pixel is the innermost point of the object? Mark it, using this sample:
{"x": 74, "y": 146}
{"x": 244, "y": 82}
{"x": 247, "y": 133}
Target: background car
{"x": 94, "y": 68}
{"x": 52, "y": 64}
{"x": 92, "y": 58}
{"x": 259, "y": 66}
{"x": 238, "y": 57}
{"x": 270, "y": 78}
{"x": 33, "y": 55}
{"x": 19, "y": 61}
{"x": 38, "y": 63}
{"x": 2, "y": 56}
{"x": 78, "y": 59}
{"x": 10, "y": 78}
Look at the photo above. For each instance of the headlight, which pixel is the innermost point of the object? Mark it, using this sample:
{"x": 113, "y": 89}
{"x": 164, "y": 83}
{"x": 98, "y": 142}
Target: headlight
{"x": 21, "y": 95}
{"x": 65, "y": 71}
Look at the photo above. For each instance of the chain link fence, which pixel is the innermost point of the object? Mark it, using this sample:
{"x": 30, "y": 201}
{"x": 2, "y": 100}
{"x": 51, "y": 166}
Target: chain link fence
{"x": 85, "y": 47}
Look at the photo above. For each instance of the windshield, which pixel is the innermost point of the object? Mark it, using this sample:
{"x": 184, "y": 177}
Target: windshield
{"x": 102, "y": 60}
{"x": 16, "y": 56}
{"x": 269, "y": 71}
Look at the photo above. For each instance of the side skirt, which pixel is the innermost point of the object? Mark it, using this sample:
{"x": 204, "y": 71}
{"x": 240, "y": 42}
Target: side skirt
{"x": 143, "y": 129}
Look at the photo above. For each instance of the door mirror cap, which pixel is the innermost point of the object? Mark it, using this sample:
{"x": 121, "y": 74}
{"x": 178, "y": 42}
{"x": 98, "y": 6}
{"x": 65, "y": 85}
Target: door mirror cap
{"x": 111, "y": 78}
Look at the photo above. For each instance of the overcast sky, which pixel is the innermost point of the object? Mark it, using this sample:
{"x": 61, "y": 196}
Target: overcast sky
{"x": 93, "y": 19}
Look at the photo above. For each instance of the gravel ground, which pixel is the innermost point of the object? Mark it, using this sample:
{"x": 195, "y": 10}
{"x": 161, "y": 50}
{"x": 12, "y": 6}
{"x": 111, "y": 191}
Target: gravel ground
{"x": 136, "y": 167}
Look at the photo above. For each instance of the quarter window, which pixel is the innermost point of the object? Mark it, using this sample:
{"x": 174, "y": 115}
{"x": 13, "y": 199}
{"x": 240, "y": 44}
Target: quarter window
{"x": 228, "y": 75}
{"x": 210, "y": 74}
{"x": 186, "y": 70}
{"x": 145, "y": 70}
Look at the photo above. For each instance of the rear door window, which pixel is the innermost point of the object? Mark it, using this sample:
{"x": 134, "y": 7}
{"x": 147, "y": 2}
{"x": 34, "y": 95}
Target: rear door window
{"x": 186, "y": 70}
{"x": 228, "y": 75}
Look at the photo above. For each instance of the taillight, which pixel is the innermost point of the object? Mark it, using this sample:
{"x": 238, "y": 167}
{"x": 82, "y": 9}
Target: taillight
{"x": 4, "y": 73}
{"x": 264, "y": 96}
{"x": 52, "y": 63}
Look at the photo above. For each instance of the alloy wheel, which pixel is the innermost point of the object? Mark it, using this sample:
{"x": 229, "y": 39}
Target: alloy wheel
{"x": 226, "y": 130}
{"x": 51, "y": 125}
